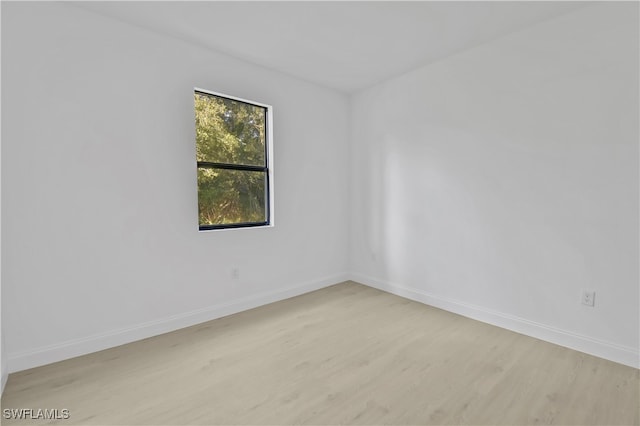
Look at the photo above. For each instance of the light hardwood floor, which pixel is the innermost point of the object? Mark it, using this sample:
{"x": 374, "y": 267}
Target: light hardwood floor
{"x": 347, "y": 354}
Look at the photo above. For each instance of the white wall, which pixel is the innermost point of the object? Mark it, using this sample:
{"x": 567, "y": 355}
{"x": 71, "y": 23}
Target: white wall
{"x": 496, "y": 183}
{"x": 4, "y": 373}
{"x": 99, "y": 188}
{"x": 499, "y": 182}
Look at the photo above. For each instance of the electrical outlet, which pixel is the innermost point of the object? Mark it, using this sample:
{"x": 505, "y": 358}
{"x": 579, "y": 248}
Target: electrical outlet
{"x": 235, "y": 273}
{"x": 588, "y": 297}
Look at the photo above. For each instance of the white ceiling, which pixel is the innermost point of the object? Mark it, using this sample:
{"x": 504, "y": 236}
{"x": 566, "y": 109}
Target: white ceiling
{"x": 347, "y": 46}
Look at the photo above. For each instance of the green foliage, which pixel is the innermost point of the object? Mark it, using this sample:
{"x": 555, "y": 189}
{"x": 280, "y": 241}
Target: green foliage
{"x": 230, "y": 132}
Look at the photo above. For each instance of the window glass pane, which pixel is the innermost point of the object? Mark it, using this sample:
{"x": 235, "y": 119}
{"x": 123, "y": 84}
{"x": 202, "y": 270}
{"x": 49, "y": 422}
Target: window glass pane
{"x": 229, "y": 131}
{"x": 231, "y": 196}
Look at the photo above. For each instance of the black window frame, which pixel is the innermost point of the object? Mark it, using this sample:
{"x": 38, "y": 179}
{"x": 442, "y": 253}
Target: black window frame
{"x": 243, "y": 167}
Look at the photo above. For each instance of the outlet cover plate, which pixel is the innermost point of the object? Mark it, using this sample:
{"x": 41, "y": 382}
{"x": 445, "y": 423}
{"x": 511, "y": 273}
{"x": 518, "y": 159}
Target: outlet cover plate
{"x": 588, "y": 297}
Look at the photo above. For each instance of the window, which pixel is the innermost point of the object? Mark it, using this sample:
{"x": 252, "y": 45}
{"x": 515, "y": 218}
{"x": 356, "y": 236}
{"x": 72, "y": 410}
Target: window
{"x": 233, "y": 147}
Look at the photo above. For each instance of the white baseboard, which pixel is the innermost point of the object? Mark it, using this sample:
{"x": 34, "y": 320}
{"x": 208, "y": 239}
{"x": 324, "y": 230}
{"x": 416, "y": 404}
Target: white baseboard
{"x": 77, "y": 347}
{"x": 5, "y": 376}
{"x": 607, "y": 350}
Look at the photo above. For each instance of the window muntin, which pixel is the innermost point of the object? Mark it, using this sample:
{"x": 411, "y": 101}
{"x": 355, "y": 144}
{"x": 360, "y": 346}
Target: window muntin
{"x": 232, "y": 152}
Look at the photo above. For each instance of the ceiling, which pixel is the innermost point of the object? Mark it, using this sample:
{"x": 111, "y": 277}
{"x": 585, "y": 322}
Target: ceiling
{"x": 346, "y": 46}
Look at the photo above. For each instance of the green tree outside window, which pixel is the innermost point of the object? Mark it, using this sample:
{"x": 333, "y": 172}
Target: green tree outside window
{"x": 231, "y": 151}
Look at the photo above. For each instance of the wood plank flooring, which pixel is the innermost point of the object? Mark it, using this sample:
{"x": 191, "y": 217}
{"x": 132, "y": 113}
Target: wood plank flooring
{"x": 347, "y": 354}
